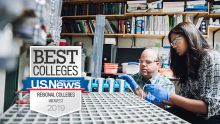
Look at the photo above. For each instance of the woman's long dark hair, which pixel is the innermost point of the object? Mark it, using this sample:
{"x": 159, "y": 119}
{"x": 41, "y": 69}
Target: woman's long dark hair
{"x": 188, "y": 64}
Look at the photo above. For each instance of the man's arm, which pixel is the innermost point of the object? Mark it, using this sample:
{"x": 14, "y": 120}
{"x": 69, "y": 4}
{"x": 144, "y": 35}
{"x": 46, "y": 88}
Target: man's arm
{"x": 137, "y": 90}
{"x": 140, "y": 92}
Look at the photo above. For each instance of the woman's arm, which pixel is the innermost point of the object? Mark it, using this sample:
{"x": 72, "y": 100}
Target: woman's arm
{"x": 197, "y": 106}
{"x": 160, "y": 93}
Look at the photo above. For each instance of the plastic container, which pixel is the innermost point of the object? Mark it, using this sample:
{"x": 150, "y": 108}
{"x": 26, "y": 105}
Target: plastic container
{"x": 110, "y": 68}
{"x": 130, "y": 68}
{"x": 166, "y": 72}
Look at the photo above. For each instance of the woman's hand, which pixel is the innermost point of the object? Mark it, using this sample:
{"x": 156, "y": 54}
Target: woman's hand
{"x": 159, "y": 92}
{"x": 152, "y": 99}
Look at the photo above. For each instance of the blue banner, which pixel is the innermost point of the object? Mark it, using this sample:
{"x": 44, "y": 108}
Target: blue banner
{"x": 55, "y": 82}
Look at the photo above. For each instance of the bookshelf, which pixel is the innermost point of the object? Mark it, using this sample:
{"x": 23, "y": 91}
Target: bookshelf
{"x": 116, "y": 35}
{"x": 126, "y": 15}
{"x": 93, "y": 17}
{"x": 92, "y": 1}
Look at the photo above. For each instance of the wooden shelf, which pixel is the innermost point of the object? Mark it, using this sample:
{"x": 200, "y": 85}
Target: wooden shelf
{"x": 77, "y": 34}
{"x": 93, "y": 17}
{"x": 117, "y": 35}
{"x": 154, "y": 36}
{"x": 213, "y": 28}
{"x": 214, "y": 15}
{"x": 89, "y": 34}
{"x": 195, "y": 13}
{"x": 126, "y": 15}
{"x": 148, "y": 13}
{"x": 165, "y": 13}
{"x": 78, "y": 17}
{"x": 206, "y": 36}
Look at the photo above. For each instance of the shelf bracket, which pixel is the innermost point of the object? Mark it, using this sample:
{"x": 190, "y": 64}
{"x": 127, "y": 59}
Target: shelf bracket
{"x": 91, "y": 39}
{"x": 213, "y": 37}
{"x": 133, "y": 41}
{"x": 162, "y": 41}
{"x": 196, "y": 15}
{"x": 116, "y": 41}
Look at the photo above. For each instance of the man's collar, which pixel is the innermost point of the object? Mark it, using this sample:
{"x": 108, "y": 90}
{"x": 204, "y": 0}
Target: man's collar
{"x": 152, "y": 80}
{"x": 142, "y": 77}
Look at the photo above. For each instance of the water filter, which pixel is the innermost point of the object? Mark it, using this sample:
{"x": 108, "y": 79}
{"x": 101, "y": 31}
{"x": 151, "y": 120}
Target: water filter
{"x": 100, "y": 84}
{"x": 123, "y": 85}
{"x": 107, "y": 85}
{"x": 111, "y": 82}
{"x": 93, "y": 84}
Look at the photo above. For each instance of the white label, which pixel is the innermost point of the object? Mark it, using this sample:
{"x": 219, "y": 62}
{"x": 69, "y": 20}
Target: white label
{"x": 55, "y": 103}
{"x": 55, "y": 61}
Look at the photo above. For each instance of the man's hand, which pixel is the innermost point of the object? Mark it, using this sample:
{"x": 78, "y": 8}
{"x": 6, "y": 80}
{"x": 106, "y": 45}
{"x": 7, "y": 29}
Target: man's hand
{"x": 159, "y": 92}
{"x": 130, "y": 81}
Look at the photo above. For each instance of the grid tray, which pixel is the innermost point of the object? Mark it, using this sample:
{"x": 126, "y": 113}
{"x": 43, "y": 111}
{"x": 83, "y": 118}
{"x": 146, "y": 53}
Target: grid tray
{"x": 97, "y": 108}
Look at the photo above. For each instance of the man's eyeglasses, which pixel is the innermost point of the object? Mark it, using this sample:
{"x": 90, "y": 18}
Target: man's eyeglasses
{"x": 147, "y": 62}
{"x": 175, "y": 41}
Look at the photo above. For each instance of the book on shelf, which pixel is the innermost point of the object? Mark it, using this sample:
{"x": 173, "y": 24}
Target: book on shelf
{"x": 91, "y": 26}
{"x": 175, "y": 6}
{"x": 154, "y": 25}
{"x": 74, "y": 9}
{"x": 128, "y": 26}
{"x": 155, "y": 6}
{"x": 121, "y": 26}
{"x": 92, "y": 9}
{"x": 214, "y": 22}
{"x": 198, "y": 5}
{"x": 151, "y": 25}
{"x": 66, "y": 26}
{"x": 215, "y": 7}
{"x": 133, "y": 25}
{"x": 204, "y": 27}
{"x": 199, "y": 21}
{"x": 136, "y": 6}
{"x": 201, "y": 24}
{"x": 106, "y": 8}
{"x": 87, "y": 26}
{"x": 108, "y": 27}
{"x": 76, "y": 26}
{"x": 138, "y": 26}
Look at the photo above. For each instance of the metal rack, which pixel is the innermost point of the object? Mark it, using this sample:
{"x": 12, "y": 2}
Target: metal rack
{"x": 97, "y": 108}
{"x": 24, "y": 23}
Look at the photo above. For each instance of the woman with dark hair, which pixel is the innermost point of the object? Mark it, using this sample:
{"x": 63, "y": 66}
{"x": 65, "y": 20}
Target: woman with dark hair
{"x": 198, "y": 68}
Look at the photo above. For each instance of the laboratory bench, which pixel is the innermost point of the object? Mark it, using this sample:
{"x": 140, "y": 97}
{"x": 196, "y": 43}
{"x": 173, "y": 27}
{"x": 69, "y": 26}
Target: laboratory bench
{"x": 97, "y": 108}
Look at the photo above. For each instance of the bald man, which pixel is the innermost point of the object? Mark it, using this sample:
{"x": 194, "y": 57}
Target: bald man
{"x": 148, "y": 74}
